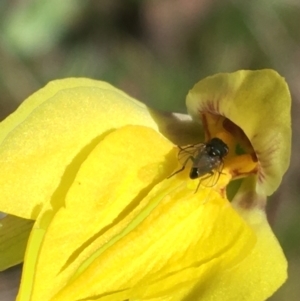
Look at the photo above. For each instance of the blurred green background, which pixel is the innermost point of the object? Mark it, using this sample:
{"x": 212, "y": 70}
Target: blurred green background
{"x": 156, "y": 51}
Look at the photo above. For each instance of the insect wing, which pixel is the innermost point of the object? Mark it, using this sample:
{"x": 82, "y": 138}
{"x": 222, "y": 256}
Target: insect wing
{"x": 204, "y": 164}
{"x": 190, "y": 151}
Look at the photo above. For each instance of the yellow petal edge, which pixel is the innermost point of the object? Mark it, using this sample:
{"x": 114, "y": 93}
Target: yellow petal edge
{"x": 14, "y": 233}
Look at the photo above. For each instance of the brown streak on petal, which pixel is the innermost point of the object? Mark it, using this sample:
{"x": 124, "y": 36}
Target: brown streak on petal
{"x": 261, "y": 176}
{"x": 236, "y": 174}
{"x": 250, "y": 200}
{"x": 254, "y": 157}
{"x": 205, "y": 126}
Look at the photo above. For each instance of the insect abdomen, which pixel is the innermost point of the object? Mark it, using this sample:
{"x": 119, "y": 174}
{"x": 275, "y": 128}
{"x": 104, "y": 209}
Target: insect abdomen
{"x": 194, "y": 173}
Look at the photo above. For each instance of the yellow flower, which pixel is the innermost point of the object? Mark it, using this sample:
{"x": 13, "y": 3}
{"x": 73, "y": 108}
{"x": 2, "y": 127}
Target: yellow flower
{"x": 91, "y": 165}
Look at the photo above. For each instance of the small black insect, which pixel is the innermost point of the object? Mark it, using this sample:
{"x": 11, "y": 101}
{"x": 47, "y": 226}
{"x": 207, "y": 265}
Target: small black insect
{"x": 206, "y": 157}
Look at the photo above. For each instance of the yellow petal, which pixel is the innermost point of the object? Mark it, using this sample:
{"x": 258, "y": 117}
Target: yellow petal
{"x": 14, "y": 233}
{"x": 121, "y": 235}
{"x": 52, "y": 132}
{"x": 172, "y": 250}
{"x": 259, "y": 103}
{"x": 259, "y": 275}
{"x": 119, "y": 162}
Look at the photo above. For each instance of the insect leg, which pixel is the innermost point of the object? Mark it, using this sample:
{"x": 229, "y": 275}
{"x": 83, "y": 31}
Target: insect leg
{"x": 211, "y": 173}
{"x": 220, "y": 172}
{"x": 183, "y": 166}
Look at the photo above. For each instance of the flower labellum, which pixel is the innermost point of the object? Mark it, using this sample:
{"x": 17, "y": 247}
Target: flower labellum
{"x": 92, "y": 167}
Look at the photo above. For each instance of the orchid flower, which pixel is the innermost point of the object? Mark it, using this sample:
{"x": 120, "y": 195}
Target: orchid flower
{"x": 85, "y": 173}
